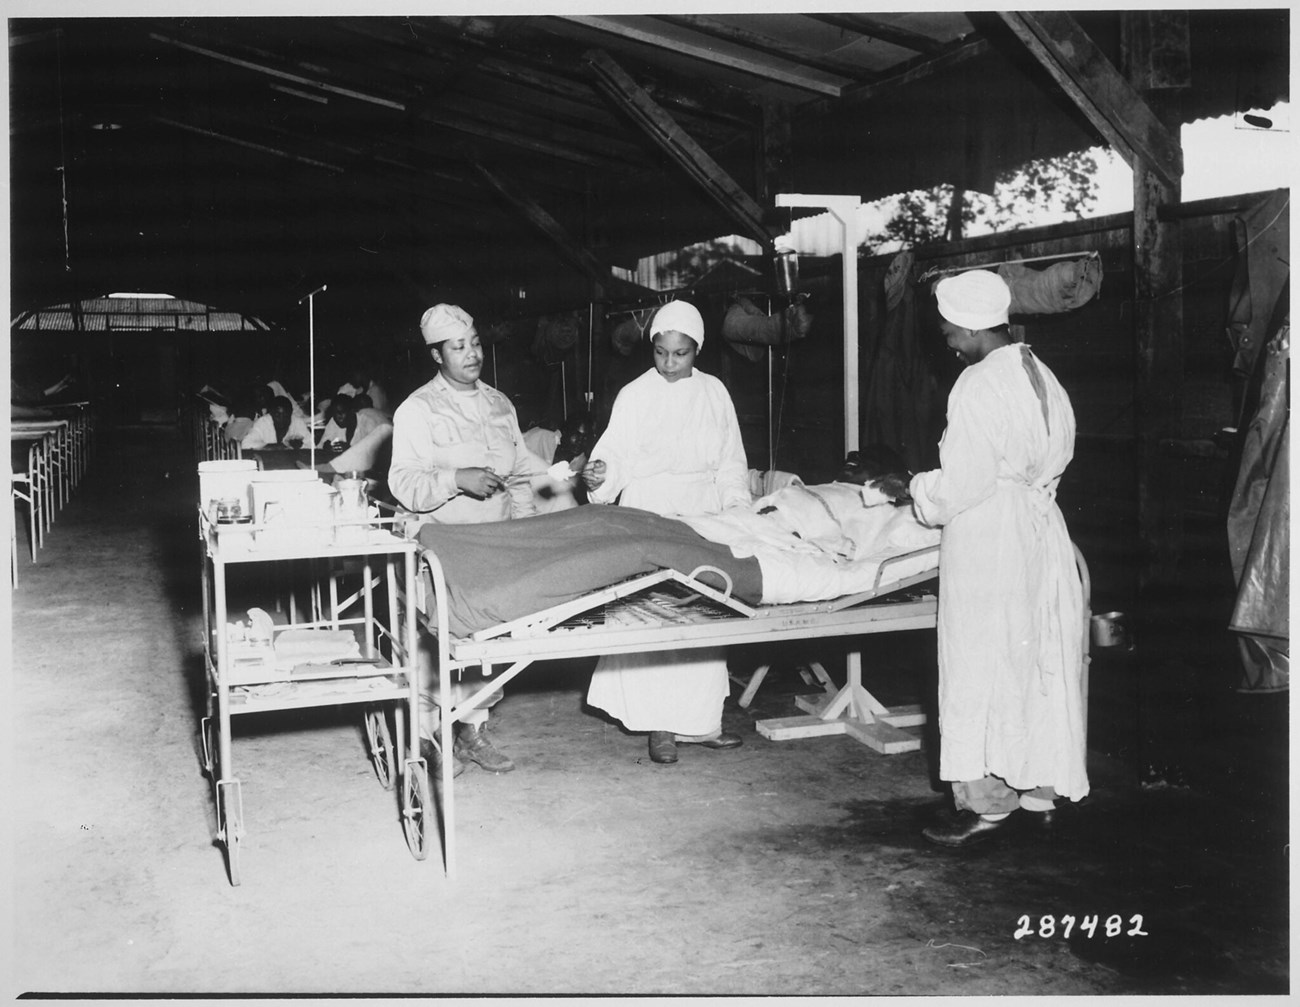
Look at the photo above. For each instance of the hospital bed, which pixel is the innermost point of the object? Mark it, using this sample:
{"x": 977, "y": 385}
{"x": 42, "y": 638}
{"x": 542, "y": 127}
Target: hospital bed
{"x": 480, "y": 621}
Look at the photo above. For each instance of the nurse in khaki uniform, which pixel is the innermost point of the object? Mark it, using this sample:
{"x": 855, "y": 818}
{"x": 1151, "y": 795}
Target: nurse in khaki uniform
{"x": 1011, "y": 710}
{"x": 459, "y": 458}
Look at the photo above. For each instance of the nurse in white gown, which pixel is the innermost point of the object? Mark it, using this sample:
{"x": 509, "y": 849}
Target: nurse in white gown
{"x": 1011, "y": 710}
{"x": 672, "y": 447}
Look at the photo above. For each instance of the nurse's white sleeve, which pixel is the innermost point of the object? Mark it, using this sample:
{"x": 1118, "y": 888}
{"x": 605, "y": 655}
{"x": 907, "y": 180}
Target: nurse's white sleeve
{"x": 732, "y": 478}
{"x": 968, "y": 458}
{"x": 612, "y": 449}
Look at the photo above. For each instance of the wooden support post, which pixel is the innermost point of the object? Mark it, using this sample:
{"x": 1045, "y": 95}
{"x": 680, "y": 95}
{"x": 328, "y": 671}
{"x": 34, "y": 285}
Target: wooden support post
{"x": 1155, "y": 55}
{"x": 1115, "y": 109}
{"x": 1137, "y": 115}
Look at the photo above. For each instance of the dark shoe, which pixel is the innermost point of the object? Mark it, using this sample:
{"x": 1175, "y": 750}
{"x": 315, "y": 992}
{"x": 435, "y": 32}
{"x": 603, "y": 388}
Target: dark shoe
{"x": 432, "y": 756}
{"x": 663, "y": 748}
{"x": 966, "y": 829}
{"x": 472, "y": 745}
{"x": 723, "y": 740}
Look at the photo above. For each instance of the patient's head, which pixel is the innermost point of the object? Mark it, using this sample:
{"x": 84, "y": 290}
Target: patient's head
{"x": 577, "y": 437}
{"x": 871, "y": 462}
{"x": 878, "y": 468}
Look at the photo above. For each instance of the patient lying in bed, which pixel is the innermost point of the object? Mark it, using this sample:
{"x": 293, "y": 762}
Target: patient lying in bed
{"x": 801, "y": 543}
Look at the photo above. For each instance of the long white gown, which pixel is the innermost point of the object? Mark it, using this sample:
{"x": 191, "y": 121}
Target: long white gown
{"x": 672, "y": 448}
{"x": 1010, "y": 598}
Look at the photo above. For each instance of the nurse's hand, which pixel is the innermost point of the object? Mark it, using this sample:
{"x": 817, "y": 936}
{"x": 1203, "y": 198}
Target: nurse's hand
{"x": 593, "y": 474}
{"x": 479, "y": 482}
{"x": 895, "y": 487}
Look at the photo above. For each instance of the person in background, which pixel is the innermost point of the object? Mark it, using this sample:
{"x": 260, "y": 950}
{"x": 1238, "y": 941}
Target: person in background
{"x": 351, "y": 419}
{"x": 240, "y": 420}
{"x": 1011, "y": 708}
{"x": 672, "y": 447}
{"x": 459, "y": 458}
{"x": 361, "y": 381}
{"x": 277, "y": 428}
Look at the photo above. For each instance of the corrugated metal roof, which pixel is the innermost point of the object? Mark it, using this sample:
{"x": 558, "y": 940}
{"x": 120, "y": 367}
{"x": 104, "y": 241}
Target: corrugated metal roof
{"x": 135, "y": 314}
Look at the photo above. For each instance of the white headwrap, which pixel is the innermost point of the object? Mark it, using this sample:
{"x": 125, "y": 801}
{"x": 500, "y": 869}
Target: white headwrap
{"x": 679, "y": 316}
{"x": 976, "y": 299}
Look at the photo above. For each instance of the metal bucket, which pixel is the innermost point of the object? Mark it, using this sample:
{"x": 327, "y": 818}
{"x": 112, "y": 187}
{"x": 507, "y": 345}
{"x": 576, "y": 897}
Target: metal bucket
{"x": 1110, "y": 629}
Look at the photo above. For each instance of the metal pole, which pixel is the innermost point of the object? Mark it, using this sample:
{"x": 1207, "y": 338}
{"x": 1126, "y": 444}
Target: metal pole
{"x": 844, "y": 209}
{"x": 311, "y": 365}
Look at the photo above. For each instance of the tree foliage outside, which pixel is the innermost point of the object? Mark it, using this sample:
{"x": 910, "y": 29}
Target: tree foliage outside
{"x": 1044, "y": 191}
{"x": 687, "y": 265}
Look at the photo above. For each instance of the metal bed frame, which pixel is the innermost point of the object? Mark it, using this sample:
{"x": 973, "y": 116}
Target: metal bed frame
{"x": 669, "y": 610}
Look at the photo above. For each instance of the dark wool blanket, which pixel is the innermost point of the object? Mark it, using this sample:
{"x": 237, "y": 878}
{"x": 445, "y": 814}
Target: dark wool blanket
{"x": 507, "y": 569}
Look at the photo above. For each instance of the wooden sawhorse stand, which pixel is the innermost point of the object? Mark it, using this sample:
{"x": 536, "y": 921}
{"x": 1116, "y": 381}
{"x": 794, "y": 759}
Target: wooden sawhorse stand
{"x": 851, "y": 710}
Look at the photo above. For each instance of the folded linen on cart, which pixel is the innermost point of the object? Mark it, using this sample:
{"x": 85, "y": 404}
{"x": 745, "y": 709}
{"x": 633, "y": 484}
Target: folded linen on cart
{"x": 798, "y": 544}
{"x": 303, "y": 646}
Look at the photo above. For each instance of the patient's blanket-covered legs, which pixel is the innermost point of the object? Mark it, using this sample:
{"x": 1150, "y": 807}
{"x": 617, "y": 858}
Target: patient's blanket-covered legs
{"x": 673, "y": 690}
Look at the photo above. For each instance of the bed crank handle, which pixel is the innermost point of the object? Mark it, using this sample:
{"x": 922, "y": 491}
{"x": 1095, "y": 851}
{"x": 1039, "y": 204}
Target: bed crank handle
{"x": 705, "y": 568}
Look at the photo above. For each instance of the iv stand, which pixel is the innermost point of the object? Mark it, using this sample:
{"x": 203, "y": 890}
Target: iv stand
{"x": 845, "y": 210}
{"x": 311, "y": 364}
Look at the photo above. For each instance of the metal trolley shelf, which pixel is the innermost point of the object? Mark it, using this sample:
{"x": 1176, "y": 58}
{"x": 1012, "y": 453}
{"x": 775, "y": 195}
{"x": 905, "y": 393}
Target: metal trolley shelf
{"x": 382, "y": 679}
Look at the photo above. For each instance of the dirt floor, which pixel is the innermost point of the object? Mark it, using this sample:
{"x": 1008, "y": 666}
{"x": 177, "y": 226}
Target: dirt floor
{"x": 780, "y": 868}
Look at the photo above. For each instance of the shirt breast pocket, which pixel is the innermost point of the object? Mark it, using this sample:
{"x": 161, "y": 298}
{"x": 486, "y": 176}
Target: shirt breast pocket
{"x": 444, "y": 431}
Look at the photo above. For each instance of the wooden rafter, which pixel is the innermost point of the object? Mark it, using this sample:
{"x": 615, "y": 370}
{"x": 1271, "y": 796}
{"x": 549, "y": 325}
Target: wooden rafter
{"x": 915, "y": 70}
{"x": 1109, "y": 102}
{"x": 279, "y": 73}
{"x": 773, "y": 46}
{"x": 735, "y": 60}
{"x": 689, "y": 155}
{"x": 591, "y": 267}
{"x": 546, "y": 67}
{"x": 862, "y": 24}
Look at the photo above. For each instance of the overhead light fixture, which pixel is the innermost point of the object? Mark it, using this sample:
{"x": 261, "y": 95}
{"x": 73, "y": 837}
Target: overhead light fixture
{"x": 141, "y": 297}
{"x": 106, "y": 126}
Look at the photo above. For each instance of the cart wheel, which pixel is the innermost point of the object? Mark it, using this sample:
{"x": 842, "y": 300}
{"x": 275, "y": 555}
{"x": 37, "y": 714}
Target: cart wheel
{"x": 416, "y": 808}
{"x": 230, "y": 825}
{"x": 379, "y": 743}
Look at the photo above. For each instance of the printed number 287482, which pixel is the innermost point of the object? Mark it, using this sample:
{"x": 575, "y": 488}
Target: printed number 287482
{"x": 1093, "y": 926}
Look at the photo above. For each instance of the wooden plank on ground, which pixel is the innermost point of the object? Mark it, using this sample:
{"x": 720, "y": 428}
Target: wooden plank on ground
{"x": 883, "y": 738}
{"x": 790, "y": 728}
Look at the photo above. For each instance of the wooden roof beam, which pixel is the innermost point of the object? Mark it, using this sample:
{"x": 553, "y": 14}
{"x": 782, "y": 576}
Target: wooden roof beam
{"x": 591, "y": 267}
{"x": 915, "y": 70}
{"x": 1117, "y": 111}
{"x": 775, "y": 47}
{"x": 278, "y": 73}
{"x": 615, "y": 82}
{"x": 237, "y": 141}
{"x": 512, "y": 138}
{"x": 539, "y": 67}
{"x": 733, "y": 61}
{"x": 863, "y": 24}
